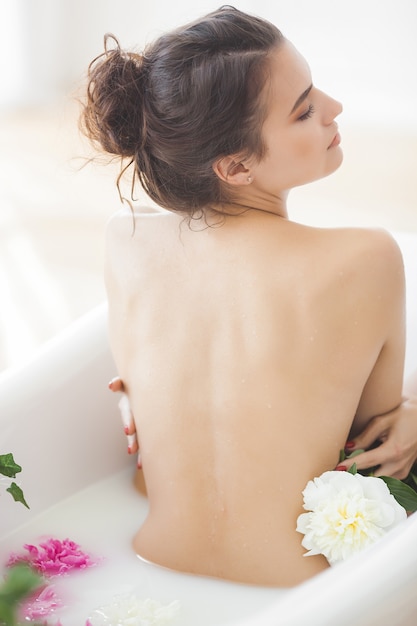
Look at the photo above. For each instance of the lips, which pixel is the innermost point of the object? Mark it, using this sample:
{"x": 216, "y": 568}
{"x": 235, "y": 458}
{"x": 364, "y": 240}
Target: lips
{"x": 336, "y": 141}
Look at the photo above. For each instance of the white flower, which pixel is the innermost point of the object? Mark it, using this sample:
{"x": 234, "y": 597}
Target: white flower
{"x": 348, "y": 512}
{"x": 129, "y": 610}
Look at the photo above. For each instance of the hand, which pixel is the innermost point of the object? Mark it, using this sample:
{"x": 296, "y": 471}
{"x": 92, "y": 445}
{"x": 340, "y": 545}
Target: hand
{"x": 397, "y": 452}
{"x": 116, "y": 385}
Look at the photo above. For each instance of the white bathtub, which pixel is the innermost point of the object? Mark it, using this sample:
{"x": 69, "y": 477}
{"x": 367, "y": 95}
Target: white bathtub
{"x": 63, "y": 427}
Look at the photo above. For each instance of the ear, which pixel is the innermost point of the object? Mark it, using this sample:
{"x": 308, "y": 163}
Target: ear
{"x": 232, "y": 170}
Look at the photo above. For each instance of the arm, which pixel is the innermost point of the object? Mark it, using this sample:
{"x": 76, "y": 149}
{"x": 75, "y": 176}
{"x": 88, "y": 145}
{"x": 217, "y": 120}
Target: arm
{"x": 387, "y": 414}
{"x": 384, "y": 289}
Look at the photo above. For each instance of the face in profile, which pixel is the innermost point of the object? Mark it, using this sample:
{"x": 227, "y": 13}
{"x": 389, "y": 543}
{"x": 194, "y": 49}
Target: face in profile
{"x": 299, "y": 132}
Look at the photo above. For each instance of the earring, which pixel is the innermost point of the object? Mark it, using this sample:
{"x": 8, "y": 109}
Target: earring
{"x": 250, "y": 179}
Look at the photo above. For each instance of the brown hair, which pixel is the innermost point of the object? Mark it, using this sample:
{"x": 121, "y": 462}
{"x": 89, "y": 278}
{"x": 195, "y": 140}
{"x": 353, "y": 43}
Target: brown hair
{"x": 192, "y": 97}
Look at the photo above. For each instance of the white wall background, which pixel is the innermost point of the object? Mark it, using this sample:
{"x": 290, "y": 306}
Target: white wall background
{"x": 363, "y": 52}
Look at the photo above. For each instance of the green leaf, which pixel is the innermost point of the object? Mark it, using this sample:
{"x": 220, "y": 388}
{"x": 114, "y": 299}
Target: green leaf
{"x": 405, "y": 495}
{"x": 17, "y": 494}
{"x": 353, "y": 469}
{"x": 355, "y": 453}
{"x": 8, "y": 467}
{"x": 20, "y": 582}
{"x": 342, "y": 456}
{"x": 7, "y": 614}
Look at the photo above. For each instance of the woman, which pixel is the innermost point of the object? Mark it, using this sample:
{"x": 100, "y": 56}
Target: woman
{"x": 250, "y": 346}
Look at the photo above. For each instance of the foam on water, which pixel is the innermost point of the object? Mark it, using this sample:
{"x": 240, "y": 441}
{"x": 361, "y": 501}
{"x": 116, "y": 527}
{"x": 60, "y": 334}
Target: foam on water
{"x": 102, "y": 519}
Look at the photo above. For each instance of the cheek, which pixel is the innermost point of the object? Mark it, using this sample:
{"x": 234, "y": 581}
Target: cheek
{"x": 307, "y": 144}
{"x": 299, "y": 159}
{"x": 304, "y": 159}
{"x": 295, "y": 157}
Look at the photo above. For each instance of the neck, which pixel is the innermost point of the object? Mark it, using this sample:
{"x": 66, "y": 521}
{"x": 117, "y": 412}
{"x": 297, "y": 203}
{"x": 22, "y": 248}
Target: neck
{"x": 276, "y": 205}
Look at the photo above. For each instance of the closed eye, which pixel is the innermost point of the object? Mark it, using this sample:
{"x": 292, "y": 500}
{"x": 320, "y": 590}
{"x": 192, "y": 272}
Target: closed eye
{"x": 307, "y": 114}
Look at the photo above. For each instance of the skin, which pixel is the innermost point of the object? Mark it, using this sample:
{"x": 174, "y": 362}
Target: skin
{"x": 395, "y": 432}
{"x": 252, "y": 350}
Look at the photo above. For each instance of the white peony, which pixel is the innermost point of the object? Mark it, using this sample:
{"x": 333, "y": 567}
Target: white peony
{"x": 347, "y": 513}
{"x": 129, "y": 610}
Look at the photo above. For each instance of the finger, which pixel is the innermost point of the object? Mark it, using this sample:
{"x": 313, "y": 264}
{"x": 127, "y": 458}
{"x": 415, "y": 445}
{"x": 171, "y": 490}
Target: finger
{"x": 391, "y": 469}
{"x": 376, "y": 430}
{"x": 395, "y": 466}
{"x": 365, "y": 460}
{"x": 116, "y": 384}
{"x": 130, "y": 429}
{"x": 383, "y": 460}
{"x": 127, "y": 416}
{"x": 132, "y": 444}
{"x": 139, "y": 460}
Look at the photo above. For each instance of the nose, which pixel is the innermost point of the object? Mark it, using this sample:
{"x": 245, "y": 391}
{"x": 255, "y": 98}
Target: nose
{"x": 338, "y": 107}
{"x": 335, "y": 108}
{"x": 331, "y": 109}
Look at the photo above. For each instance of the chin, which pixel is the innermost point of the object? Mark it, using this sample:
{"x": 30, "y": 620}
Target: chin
{"x": 334, "y": 163}
{"x": 338, "y": 157}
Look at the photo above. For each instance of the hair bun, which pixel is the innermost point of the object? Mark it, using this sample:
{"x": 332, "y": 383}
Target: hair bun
{"x": 113, "y": 113}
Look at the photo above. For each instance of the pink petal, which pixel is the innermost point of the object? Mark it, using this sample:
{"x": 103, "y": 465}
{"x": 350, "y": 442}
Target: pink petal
{"x": 54, "y": 557}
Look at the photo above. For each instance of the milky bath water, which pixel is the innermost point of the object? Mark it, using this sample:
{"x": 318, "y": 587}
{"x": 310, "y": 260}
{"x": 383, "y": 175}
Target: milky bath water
{"x": 103, "y": 519}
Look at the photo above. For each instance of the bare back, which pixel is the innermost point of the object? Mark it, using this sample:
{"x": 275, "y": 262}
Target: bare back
{"x": 247, "y": 350}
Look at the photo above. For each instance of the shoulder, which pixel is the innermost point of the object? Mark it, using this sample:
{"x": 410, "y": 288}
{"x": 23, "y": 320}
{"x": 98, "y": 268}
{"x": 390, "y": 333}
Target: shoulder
{"x": 127, "y": 231}
{"x": 365, "y": 250}
{"x": 375, "y": 255}
{"x": 368, "y": 271}
{"x": 119, "y": 239}
{"x": 360, "y": 238}
{"x": 354, "y": 255}
{"x": 376, "y": 242}
{"x": 119, "y": 233}
{"x": 124, "y": 222}
{"x": 353, "y": 271}
{"x": 130, "y": 241}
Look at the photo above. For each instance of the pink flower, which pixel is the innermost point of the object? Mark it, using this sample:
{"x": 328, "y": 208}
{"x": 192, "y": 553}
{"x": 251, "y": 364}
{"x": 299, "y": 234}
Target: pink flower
{"x": 54, "y": 557}
{"x": 41, "y": 604}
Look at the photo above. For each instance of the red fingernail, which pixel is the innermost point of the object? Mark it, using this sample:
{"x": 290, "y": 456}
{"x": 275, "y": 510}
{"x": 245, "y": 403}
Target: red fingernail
{"x": 126, "y": 430}
{"x": 350, "y": 444}
{"x": 340, "y": 468}
{"x": 129, "y": 450}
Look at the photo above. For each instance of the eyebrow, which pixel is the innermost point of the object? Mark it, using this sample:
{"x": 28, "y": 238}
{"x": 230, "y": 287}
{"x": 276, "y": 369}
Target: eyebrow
{"x": 301, "y": 98}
